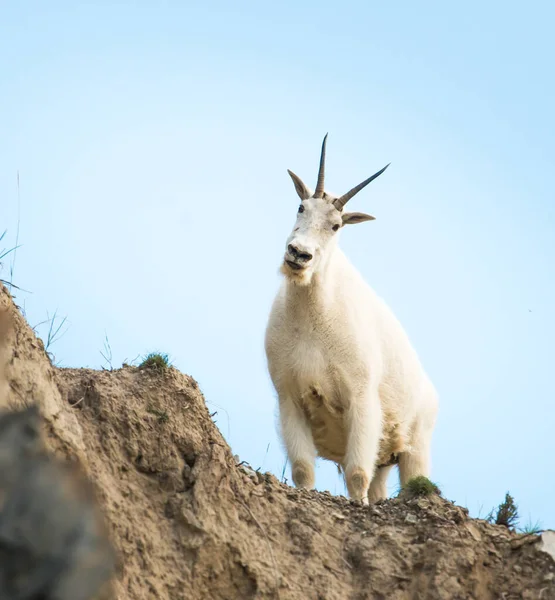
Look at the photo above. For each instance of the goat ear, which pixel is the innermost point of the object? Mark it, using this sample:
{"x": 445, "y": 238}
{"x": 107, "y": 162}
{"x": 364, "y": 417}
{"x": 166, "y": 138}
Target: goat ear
{"x": 355, "y": 217}
{"x": 301, "y": 188}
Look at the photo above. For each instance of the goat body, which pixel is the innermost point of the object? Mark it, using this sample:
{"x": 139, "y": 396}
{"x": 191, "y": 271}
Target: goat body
{"x": 351, "y": 388}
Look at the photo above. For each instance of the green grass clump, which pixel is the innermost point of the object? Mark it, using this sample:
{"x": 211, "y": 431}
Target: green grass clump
{"x": 155, "y": 361}
{"x": 421, "y": 486}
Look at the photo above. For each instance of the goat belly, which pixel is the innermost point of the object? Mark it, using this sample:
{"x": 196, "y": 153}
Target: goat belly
{"x": 326, "y": 418}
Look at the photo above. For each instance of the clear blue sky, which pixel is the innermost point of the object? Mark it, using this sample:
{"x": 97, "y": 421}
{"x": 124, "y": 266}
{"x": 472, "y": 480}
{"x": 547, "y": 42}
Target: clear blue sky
{"x": 152, "y": 141}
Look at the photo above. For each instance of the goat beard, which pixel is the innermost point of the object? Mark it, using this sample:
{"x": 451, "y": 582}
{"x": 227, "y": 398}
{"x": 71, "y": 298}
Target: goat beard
{"x": 300, "y": 278}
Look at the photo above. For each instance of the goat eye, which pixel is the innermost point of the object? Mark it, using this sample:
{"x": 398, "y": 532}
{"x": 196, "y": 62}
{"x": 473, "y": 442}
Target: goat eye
{"x": 335, "y": 227}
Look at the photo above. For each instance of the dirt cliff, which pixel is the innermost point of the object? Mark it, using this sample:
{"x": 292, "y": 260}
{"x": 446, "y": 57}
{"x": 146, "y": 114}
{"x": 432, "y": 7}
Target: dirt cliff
{"x": 189, "y": 522}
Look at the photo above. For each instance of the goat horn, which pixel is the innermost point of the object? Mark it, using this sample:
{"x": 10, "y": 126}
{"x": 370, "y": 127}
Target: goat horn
{"x": 319, "y": 192}
{"x": 339, "y": 203}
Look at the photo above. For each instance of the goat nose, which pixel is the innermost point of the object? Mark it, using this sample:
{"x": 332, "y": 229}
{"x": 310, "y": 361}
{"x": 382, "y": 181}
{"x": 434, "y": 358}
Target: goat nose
{"x": 293, "y": 250}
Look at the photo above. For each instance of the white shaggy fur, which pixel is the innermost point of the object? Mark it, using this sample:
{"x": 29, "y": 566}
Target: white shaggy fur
{"x": 351, "y": 388}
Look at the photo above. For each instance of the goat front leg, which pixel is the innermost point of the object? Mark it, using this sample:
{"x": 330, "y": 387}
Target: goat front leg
{"x": 364, "y": 428}
{"x": 299, "y": 444}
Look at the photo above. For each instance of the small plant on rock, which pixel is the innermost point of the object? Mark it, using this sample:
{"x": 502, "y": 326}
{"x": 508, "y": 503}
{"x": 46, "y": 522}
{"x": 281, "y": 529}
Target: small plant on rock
{"x": 506, "y": 513}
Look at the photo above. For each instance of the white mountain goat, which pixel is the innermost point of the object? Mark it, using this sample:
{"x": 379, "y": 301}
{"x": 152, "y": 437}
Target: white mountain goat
{"x": 351, "y": 388}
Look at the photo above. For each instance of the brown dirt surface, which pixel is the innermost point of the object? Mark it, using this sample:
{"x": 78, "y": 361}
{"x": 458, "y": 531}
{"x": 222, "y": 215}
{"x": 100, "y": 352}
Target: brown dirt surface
{"x": 189, "y": 522}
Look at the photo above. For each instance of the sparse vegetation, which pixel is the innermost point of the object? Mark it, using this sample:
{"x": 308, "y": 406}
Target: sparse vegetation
{"x": 107, "y": 354}
{"x": 532, "y": 528}
{"x": 161, "y": 414}
{"x": 55, "y": 332}
{"x": 506, "y": 513}
{"x": 3, "y": 253}
{"x": 421, "y": 486}
{"x": 283, "y": 478}
{"x": 156, "y": 361}
{"x": 265, "y": 457}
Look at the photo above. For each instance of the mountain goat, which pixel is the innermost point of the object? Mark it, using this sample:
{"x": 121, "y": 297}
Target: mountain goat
{"x": 351, "y": 388}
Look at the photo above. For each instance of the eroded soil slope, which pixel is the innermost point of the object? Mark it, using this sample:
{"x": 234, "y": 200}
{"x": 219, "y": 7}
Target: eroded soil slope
{"x": 189, "y": 522}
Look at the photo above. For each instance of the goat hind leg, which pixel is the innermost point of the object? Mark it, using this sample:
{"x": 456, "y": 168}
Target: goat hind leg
{"x": 414, "y": 463}
{"x": 378, "y": 485}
